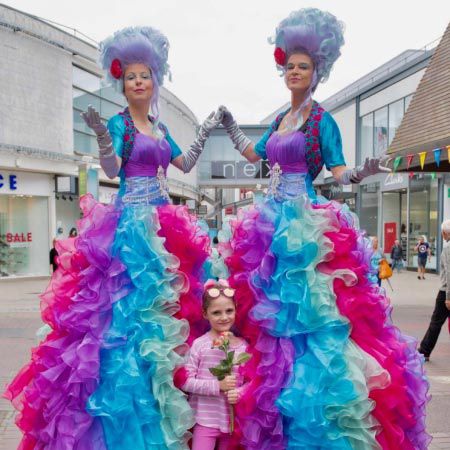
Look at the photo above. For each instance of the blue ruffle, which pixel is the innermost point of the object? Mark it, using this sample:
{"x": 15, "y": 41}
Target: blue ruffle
{"x": 136, "y": 401}
{"x": 326, "y": 405}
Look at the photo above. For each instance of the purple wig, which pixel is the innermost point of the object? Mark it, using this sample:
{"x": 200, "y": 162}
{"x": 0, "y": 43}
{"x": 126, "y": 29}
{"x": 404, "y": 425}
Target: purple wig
{"x": 134, "y": 45}
{"x": 317, "y": 33}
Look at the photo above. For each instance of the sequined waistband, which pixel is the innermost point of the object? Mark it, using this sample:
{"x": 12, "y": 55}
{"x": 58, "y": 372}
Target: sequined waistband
{"x": 285, "y": 186}
{"x": 146, "y": 190}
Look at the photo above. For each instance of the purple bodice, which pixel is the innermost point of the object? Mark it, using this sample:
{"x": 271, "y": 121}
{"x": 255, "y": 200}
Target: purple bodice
{"x": 289, "y": 151}
{"x": 148, "y": 154}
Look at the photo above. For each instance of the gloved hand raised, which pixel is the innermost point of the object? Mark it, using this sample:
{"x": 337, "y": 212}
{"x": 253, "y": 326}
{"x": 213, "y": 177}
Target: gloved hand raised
{"x": 211, "y": 122}
{"x": 191, "y": 156}
{"x": 239, "y": 139}
{"x": 227, "y": 117}
{"x": 108, "y": 159}
{"x": 371, "y": 166}
{"x": 93, "y": 121}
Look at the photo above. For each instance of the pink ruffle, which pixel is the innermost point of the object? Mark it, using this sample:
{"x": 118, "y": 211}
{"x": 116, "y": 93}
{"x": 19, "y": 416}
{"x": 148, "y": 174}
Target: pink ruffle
{"x": 186, "y": 240}
{"x": 51, "y": 391}
{"x": 258, "y": 422}
{"x": 400, "y": 407}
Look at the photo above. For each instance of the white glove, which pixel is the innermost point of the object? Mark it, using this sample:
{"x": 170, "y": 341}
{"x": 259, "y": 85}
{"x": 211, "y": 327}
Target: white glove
{"x": 93, "y": 121}
{"x": 108, "y": 159}
{"x": 371, "y": 166}
{"x": 194, "y": 152}
{"x": 237, "y": 136}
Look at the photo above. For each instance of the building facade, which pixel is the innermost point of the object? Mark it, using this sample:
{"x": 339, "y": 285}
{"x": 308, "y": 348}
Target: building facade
{"x": 48, "y": 157}
{"x": 400, "y": 206}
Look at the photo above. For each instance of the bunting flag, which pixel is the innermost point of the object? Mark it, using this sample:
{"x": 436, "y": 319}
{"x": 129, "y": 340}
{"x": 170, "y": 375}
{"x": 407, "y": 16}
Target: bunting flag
{"x": 437, "y": 152}
{"x": 437, "y": 156}
{"x": 409, "y": 159}
{"x": 422, "y": 156}
{"x": 397, "y": 162}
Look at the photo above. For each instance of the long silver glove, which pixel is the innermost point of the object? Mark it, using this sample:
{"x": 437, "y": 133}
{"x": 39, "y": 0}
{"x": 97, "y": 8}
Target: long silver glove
{"x": 371, "y": 166}
{"x": 190, "y": 157}
{"x": 107, "y": 155}
{"x": 237, "y": 136}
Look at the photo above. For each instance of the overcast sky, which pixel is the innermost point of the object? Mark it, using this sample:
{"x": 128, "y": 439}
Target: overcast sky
{"x": 219, "y": 51}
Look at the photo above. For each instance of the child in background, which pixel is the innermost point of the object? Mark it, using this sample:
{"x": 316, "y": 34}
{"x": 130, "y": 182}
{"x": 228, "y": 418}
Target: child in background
{"x": 209, "y": 397}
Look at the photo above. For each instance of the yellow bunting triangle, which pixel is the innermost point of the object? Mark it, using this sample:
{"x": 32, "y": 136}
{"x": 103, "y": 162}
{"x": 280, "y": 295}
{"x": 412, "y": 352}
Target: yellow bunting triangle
{"x": 448, "y": 153}
{"x": 422, "y": 156}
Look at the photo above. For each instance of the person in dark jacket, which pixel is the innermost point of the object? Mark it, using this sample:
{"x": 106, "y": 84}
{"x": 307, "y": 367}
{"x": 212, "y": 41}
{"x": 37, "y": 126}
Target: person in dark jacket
{"x": 53, "y": 257}
{"x": 397, "y": 256}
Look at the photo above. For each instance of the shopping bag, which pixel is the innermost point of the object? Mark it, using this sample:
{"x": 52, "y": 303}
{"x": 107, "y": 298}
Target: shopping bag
{"x": 385, "y": 270}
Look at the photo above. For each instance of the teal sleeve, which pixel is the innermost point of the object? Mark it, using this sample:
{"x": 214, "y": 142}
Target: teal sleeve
{"x": 330, "y": 142}
{"x": 116, "y": 127}
{"x": 176, "y": 151}
{"x": 260, "y": 147}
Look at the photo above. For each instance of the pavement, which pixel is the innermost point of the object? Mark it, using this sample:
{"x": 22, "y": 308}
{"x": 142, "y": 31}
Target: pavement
{"x": 412, "y": 300}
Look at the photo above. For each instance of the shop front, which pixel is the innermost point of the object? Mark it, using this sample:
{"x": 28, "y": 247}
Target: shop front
{"x": 401, "y": 207}
{"x": 24, "y": 223}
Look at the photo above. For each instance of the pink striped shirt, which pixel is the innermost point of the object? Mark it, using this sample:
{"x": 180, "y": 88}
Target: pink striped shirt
{"x": 209, "y": 403}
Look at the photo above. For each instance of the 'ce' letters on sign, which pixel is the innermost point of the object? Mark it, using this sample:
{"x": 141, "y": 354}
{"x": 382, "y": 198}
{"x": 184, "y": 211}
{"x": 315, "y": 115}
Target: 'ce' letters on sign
{"x": 11, "y": 182}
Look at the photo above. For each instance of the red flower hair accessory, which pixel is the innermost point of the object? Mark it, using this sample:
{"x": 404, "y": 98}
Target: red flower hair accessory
{"x": 280, "y": 56}
{"x": 116, "y": 69}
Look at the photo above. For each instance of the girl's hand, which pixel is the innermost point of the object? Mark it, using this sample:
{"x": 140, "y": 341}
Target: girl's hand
{"x": 233, "y": 396}
{"x": 228, "y": 383}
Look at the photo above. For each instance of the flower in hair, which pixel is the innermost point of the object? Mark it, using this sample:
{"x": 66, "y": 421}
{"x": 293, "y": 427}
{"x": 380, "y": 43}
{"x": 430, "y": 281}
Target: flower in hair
{"x": 280, "y": 56}
{"x": 116, "y": 69}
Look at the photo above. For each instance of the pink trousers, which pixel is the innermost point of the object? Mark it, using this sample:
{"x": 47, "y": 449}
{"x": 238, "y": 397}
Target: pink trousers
{"x": 206, "y": 438}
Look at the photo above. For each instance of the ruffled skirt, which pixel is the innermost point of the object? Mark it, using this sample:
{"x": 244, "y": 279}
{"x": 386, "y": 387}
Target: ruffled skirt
{"x": 117, "y": 307}
{"x": 329, "y": 369}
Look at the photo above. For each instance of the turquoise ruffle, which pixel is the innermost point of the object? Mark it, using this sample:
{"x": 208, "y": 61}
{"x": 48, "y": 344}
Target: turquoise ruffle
{"x": 136, "y": 400}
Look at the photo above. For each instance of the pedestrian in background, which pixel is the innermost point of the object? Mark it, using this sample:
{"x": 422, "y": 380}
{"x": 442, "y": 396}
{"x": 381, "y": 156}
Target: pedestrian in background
{"x": 377, "y": 257}
{"x": 397, "y": 256}
{"x": 423, "y": 253}
{"x": 442, "y": 307}
{"x": 53, "y": 257}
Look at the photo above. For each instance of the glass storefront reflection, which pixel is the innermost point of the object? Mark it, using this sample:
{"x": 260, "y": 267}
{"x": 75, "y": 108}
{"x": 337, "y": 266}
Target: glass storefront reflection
{"x": 423, "y": 219}
{"x": 23, "y": 239}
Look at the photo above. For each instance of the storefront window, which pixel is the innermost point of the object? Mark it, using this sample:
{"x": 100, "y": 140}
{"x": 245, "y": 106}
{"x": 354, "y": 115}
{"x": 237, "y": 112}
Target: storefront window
{"x": 366, "y": 136}
{"x": 423, "y": 215}
{"x": 380, "y": 134}
{"x": 369, "y": 208}
{"x": 85, "y": 80}
{"x": 395, "y": 118}
{"x": 394, "y": 219}
{"x": 24, "y": 242}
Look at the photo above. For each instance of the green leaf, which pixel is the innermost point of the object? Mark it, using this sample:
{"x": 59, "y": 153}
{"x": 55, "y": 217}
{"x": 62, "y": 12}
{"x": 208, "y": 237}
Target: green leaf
{"x": 230, "y": 357}
{"x": 218, "y": 373}
{"x": 242, "y": 358}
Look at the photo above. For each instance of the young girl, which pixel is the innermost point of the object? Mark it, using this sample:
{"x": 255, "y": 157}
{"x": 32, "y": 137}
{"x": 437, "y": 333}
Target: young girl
{"x": 210, "y": 398}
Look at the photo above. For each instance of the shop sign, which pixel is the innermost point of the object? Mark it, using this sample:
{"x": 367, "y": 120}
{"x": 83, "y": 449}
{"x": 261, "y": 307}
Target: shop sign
{"x": 239, "y": 170}
{"x": 8, "y": 182}
{"x": 390, "y": 235}
{"x": 395, "y": 181}
{"x": 16, "y": 240}
{"x": 18, "y": 237}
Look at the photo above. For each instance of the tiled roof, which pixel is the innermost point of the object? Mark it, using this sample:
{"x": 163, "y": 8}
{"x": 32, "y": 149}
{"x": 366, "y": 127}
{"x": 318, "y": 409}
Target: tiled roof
{"x": 426, "y": 123}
